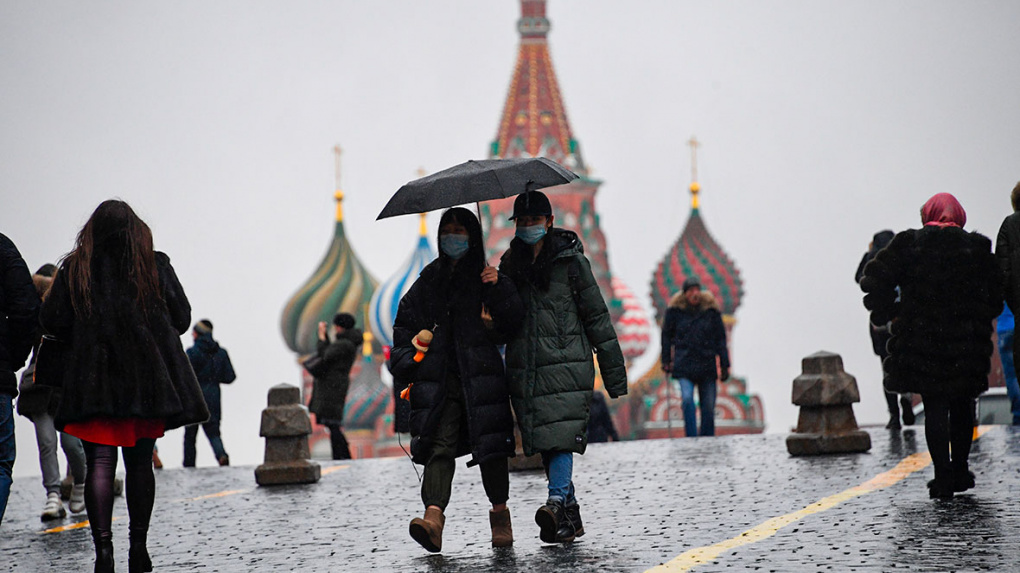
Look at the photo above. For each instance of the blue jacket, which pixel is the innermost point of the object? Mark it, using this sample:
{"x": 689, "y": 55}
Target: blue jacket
{"x": 212, "y": 367}
{"x": 692, "y": 338}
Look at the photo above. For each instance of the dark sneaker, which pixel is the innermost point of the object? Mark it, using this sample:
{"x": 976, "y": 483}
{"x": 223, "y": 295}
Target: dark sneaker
{"x": 573, "y": 513}
{"x": 908, "y": 411}
{"x": 552, "y": 521}
{"x": 894, "y": 424}
{"x": 224, "y": 460}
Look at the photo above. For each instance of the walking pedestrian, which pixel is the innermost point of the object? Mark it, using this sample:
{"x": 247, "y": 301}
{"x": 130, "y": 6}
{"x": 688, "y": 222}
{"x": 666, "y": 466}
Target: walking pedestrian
{"x": 880, "y": 338}
{"x": 1004, "y": 326}
{"x": 1007, "y": 250}
{"x": 119, "y": 307}
{"x": 446, "y": 361}
{"x": 333, "y": 379}
{"x": 549, "y": 360}
{"x": 694, "y": 353}
{"x": 600, "y": 426}
{"x": 212, "y": 367}
{"x": 38, "y": 403}
{"x": 19, "y": 315}
{"x": 940, "y": 287}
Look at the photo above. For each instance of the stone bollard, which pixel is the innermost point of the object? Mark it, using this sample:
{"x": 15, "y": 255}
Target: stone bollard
{"x": 825, "y": 394}
{"x": 286, "y": 426}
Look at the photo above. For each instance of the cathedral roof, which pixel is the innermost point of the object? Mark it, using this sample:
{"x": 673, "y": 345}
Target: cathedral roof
{"x": 339, "y": 284}
{"x": 633, "y": 328}
{"x": 383, "y": 308}
{"x": 697, "y": 254}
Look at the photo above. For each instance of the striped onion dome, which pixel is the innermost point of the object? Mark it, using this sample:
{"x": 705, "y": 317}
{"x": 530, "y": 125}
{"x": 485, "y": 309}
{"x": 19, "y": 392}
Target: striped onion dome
{"x": 367, "y": 398}
{"x": 383, "y": 309}
{"x": 339, "y": 284}
{"x": 696, "y": 253}
{"x": 633, "y": 329}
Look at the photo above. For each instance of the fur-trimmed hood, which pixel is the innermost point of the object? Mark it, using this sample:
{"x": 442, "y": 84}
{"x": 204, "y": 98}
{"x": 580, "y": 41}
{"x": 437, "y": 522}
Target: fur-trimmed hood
{"x": 707, "y": 301}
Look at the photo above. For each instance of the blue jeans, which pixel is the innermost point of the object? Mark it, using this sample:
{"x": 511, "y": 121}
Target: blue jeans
{"x": 7, "y": 450}
{"x": 559, "y": 468}
{"x": 1009, "y": 373}
{"x": 706, "y": 398}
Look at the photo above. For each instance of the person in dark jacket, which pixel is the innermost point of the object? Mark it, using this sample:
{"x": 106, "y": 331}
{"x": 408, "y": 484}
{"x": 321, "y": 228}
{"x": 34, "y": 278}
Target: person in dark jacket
{"x": 1007, "y": 251}
{"x": 212, "y": 367}
{"x": 19, "y": 313}
{"x": 600, "y": 425}
{"x": 118, "y": 306}
{"x": 446, "y": 361}
{"x": 940, "y": 287}
{"x": 549, "y": 360}
{"x": 880, "y": 337}
{"x": 333, "y": 379}
{"x": 694, "y": 353}
{"x": 38, "y": 402}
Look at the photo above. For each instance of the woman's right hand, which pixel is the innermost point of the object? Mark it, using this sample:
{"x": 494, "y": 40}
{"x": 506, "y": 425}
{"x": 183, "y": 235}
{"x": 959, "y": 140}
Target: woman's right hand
{"x": 322, "y": 331}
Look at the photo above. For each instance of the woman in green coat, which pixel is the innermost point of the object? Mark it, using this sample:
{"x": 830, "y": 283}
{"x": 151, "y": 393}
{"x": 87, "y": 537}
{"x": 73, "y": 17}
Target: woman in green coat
{"x": 549, "y": 361}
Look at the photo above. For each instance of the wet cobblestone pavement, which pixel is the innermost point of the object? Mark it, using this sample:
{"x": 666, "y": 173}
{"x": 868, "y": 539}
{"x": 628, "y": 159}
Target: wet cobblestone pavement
{"x": 707, "y": 504}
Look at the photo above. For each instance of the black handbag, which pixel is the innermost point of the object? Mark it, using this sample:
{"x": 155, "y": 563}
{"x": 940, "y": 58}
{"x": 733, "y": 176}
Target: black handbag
{"x": 315, "y": 365}
{"x": 51, "y": 362}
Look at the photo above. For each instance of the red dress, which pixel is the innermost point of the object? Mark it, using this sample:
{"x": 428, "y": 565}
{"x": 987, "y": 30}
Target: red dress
{"x": 116, "y": 431}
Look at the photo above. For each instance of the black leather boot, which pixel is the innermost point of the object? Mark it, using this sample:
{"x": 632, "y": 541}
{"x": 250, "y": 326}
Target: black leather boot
{"x": 962, "y": 477}
{"x": 553, "y": 524}
{"x": 104, "y": 556}
{"x": 138, "y": 554}
{"x": 573, "y": 513}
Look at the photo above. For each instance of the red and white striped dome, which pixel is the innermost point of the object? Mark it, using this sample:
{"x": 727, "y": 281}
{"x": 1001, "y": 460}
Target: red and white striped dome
{"x": 633, "y": 328}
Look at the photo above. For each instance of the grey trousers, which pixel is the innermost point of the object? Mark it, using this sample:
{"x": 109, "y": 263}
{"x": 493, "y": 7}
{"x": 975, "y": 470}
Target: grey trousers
{"x": 46, "y": 438}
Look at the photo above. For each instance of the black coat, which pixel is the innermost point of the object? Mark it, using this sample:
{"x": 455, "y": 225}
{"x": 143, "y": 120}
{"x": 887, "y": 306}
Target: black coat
{"x": 450, "y": 305}
{"x": 125, "y": 362}
{"x": 333, "y": 376}
{"x": 879, "y": 334}
{"x": 950, "y": 291}
{"x": 212, "y": 367}
{"x": 600, "y": 424}
{"x": 19, "y": 314}
{"x": 1007, "y": 250}
{"x": 692, "y": 338}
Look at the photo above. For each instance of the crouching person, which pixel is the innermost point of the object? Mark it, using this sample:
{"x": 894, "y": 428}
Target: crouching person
{"x": 446, "y": 362}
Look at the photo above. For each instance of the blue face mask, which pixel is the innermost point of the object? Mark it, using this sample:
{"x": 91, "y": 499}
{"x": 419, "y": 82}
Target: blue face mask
{"x": 454, "y": 246}
{"x": 531, "y": 234}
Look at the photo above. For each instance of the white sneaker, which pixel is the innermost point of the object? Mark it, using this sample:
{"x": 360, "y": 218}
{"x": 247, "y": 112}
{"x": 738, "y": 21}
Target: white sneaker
{"x": 77, "y": 502}
{"x": 54, "y": 508}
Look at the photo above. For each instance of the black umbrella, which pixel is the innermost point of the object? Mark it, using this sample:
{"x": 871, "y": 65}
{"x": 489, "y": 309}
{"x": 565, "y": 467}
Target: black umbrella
{"x": 476, "y": 181}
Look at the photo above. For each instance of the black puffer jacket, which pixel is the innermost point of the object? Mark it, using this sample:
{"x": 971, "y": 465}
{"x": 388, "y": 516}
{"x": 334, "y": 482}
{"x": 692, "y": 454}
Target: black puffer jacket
{"x": 124, "y": 362}
{"x": 449, "y": 303}
{"x": 1007, "y": 250}
{"x": 19, "y": 313}
{"x": 212, "y": 367}
{"x": 329, "y": 390}
{"x": 692, "y": 337}
{"x": 950, "y": 291}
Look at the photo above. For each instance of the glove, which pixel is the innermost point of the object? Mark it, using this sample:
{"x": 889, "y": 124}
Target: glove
{"x": 724, "y": 374}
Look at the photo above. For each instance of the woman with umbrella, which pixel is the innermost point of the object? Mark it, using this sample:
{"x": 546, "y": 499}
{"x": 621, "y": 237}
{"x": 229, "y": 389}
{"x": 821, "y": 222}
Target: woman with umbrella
{"x": 445, "y": 355}
{"x": 940, "y": 288}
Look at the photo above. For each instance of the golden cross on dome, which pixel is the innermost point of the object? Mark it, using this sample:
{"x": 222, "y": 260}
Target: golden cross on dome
{"x": 339, "y": 195}
{"x": 695, "y": 186}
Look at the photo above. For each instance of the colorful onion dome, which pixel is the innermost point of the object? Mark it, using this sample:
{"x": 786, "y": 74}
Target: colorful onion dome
{"x": 367, "y": 398}
{"x": 340, "y": 284}
{"x": 382, "y": 310}
{"x": 697, "y": 254}
{"x": 633, "y": 329}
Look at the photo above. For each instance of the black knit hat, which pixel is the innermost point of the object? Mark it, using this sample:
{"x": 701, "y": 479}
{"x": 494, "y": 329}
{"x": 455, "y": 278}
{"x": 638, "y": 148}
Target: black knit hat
{"x": 344, "y": 320}
{"x": 531, "y": 204}
{"x": 691, "y": 282}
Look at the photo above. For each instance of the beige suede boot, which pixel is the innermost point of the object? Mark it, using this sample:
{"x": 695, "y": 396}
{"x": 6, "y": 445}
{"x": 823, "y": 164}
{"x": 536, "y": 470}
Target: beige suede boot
{"x": 502, "y": 532}
{"x": 428, "y": 531}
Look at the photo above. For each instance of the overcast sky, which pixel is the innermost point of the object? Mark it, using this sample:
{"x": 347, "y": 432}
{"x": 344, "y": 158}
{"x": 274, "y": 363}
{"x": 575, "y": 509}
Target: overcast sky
{"x": 821, "y": 122}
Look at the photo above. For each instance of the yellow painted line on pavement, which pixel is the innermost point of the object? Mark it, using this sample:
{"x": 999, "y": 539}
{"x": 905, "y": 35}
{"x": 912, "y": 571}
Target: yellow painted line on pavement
{"x": 329, "y": 470}
{"x": 220, "y": 494}
{"x": 73, "y": 526}
{"x": 701, "y": 555}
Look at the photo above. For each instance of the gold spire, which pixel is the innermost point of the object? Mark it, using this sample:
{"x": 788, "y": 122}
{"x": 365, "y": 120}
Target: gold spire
{"x": 339, "y": 195}
{"x": 423, "y": 229}
{"x": 695, "y": 186}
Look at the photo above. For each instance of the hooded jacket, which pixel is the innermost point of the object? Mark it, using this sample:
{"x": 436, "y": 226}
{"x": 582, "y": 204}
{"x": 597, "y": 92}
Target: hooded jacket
{"x": 329, "y": 391}
{"x": 449, "y": 303}
{"x": 549, "y": 360}
{"x": 212, "y": 367}
{"x": 19, "y": 312}
{"x": 950, "y": 290}
{"x": 692, "y": 338}
{"x": 124, "y": 362}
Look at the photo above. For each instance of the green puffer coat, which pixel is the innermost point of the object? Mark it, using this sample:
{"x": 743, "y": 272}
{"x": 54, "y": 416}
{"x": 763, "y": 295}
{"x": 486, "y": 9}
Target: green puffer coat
{"x": 549, "y": 360}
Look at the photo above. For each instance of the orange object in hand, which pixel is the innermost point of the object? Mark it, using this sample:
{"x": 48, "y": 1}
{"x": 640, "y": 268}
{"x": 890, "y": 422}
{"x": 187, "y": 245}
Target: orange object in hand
{"x": 405, "y": 394}
{"x": 421, "y": 342}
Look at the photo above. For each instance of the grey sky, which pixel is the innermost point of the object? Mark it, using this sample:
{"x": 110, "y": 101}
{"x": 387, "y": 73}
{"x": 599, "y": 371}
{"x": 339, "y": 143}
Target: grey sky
{"x": 821, "y": 123}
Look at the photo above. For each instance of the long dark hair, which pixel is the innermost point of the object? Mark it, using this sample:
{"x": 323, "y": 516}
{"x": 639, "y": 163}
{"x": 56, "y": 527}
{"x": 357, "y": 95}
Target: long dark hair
{"x": 113, "y": 229}
{"x": 475, "y": 256}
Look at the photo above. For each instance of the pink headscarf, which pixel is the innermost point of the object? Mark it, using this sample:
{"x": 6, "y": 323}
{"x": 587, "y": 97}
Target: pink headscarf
{"x": 943, "y": 210}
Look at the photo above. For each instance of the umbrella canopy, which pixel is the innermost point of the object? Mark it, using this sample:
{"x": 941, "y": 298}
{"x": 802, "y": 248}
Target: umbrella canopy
{"x": 476, "y": 181}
